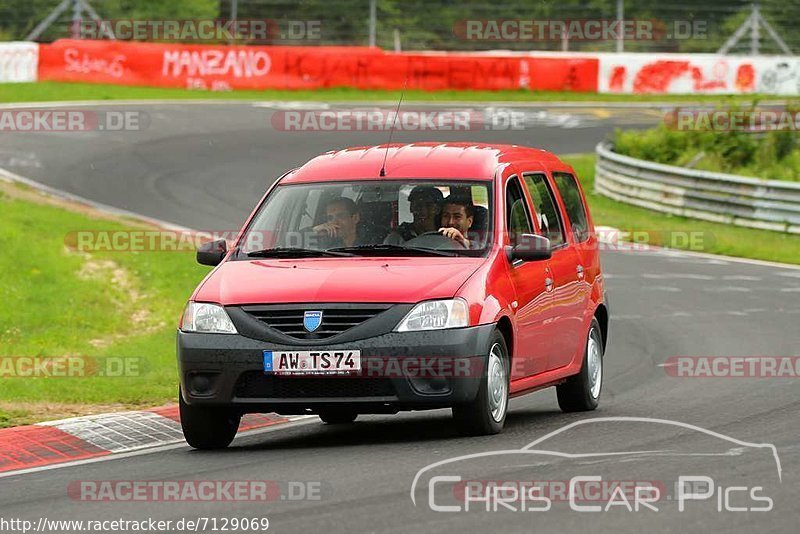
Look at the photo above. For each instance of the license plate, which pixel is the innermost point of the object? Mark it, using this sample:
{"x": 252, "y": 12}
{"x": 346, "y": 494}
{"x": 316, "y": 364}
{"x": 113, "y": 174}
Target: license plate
{"x": 312, "y": 361}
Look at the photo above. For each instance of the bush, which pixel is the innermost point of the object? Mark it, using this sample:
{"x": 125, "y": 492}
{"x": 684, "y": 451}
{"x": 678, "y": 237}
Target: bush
{"x": 774, "y": 155}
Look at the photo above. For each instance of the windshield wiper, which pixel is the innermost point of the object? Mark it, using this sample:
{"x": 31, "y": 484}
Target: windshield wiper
{"x": 294, "y": 252}
{"x": 388, "y": 248}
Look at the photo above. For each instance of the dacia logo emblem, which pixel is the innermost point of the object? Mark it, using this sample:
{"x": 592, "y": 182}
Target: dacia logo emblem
{"x": 312, "y": 320}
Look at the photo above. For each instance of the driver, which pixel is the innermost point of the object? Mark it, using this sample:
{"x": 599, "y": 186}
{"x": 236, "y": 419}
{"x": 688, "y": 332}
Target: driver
{"x": 341, "y": 228}
{"x": 425, "y": 200}
{"x": 458, "y": 213}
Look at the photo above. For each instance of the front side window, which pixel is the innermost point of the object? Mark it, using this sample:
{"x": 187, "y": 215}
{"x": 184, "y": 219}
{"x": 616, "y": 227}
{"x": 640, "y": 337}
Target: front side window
{"x": 546, "y": 210}
{"x": 573, "y": 202}
{"x": 517, "y": 218}
{"x": 372, "y": 218}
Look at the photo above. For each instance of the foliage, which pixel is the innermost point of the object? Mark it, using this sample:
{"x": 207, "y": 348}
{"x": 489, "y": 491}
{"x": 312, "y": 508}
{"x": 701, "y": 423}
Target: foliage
{"x": 772, "y": 155}
{"x": 429, "y": 24}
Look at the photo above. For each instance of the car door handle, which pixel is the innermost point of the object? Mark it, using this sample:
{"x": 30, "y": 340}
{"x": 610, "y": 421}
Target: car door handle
{"x": 548, "y": 284}
{"x": 580, "y": 272}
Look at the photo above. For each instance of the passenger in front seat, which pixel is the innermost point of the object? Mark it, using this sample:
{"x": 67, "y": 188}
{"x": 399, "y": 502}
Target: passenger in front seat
{"x": 425, "y": 207}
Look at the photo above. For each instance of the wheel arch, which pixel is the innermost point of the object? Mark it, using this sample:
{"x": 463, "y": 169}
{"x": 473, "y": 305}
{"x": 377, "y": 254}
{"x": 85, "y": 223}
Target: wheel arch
{"x": 601, "y": 314}
{"x": 507, "y": 331}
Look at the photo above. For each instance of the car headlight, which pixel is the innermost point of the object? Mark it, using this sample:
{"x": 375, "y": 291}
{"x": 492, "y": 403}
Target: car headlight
{"x": 206, "y": 318}
{"x": 435, "y": 315}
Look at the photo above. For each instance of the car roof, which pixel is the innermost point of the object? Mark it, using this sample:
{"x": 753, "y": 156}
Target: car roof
{"x": 462, "y": 161}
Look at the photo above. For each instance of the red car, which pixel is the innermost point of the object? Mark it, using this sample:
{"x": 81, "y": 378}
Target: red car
{"x": 407, "y": 277}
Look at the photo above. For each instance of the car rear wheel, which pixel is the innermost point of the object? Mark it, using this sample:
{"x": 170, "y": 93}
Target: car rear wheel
{"x": 337, "y": 417}
{"x": 581, "y": 393}
{"x": 208, "y": 428}
{"x": 487, "y": 413}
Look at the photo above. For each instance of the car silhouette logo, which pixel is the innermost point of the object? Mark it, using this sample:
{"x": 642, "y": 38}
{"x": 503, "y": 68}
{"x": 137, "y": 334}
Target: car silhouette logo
{"x": 312, "y": 320}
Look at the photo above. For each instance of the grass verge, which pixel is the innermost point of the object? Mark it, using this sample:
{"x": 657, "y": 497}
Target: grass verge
{"x": 54, "y": 91}
{"x": 118, "y": 307}
{"x": 716, "y": 238}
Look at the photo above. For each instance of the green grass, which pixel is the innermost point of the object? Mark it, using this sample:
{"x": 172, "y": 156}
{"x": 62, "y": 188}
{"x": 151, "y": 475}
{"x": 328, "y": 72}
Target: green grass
{"x": 55, "y": 303}
{"x": 716, "y": 238}
{"x": 53, "y": 91}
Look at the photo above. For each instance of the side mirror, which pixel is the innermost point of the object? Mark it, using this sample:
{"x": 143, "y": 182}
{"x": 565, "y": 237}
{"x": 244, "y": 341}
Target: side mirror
{"x": 211, "y": 253}
{"x": 531, "y": 247}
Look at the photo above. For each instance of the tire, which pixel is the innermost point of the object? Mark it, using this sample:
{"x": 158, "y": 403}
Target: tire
{"x": 487, "y": 413}
{"x": 339, "y": 417}
{"x": 208, "y": 428}
{"x": 581, "y": 393}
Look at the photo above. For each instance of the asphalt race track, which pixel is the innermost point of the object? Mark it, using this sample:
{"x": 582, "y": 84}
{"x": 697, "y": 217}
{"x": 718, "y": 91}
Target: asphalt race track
{"x": 205, "y": 166}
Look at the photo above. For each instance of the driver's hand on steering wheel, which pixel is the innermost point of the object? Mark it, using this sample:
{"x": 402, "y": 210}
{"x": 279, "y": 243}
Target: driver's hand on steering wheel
{"x": 455, "y": 235}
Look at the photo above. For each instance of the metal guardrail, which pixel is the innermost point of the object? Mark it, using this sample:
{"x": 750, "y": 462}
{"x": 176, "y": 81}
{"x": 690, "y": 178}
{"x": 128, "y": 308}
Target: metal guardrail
{"x": 723, "y": 198}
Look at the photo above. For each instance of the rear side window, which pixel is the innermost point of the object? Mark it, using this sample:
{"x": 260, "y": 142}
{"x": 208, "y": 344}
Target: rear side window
{"x": 546, "y": 210}
{"x": 517, "y": 218}
{"x": 576, "y": 210}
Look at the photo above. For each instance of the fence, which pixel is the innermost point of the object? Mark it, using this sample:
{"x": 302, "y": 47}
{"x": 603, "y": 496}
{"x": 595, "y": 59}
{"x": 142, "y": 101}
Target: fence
{"x": 688, "y": 27}
{"x": 717, "y": 197}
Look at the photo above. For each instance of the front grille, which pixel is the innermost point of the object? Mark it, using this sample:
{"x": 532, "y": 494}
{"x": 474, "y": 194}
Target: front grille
{"x": 335, "y": 320}
{"x": 255, "y": 384}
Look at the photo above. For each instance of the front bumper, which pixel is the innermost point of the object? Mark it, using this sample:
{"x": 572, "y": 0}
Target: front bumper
{"x": 400, "y": 371}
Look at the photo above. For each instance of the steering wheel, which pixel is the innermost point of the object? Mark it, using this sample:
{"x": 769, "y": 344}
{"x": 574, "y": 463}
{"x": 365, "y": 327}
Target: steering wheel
{"x": 433, "y": 240}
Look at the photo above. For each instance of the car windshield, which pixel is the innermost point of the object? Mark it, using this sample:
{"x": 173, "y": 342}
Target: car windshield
{"x": 342, "y": 219}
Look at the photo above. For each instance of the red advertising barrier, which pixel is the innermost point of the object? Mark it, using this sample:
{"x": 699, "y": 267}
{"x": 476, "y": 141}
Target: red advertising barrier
{"x": 293, "y": 67}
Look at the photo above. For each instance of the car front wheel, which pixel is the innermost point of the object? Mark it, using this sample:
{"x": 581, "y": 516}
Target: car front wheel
{"x": 487, "y": 413}
{"x": 208, "y": 428}
{"x": 581, "y": 393}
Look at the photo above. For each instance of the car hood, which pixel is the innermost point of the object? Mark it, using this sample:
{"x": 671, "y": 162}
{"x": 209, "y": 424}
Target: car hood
{"x": 357, "y": 279}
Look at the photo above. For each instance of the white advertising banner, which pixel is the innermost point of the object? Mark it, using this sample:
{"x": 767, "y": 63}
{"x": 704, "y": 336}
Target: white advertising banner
{"x": 697, "y": 74}
{"x": 19, "y": 62}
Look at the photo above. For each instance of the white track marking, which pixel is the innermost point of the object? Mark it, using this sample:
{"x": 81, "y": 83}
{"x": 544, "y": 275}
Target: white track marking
{"x": 294, "y": 422}
{"x": 679, "y": 276}
{"x": 122, "y": 431}
{"x": 105, "y": 208}
{"x": 668, "y": 289}
{"x": 727, "y": 289}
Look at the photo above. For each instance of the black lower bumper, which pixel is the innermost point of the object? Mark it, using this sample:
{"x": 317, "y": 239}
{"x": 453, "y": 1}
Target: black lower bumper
{"x": 400, "y": 371}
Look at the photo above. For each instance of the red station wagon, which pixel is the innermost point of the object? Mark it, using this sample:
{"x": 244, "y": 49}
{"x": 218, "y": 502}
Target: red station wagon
{"x": 400, "y": 277}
